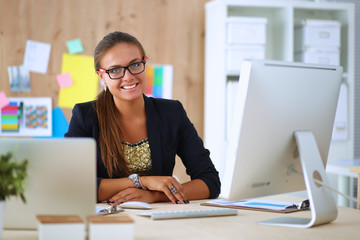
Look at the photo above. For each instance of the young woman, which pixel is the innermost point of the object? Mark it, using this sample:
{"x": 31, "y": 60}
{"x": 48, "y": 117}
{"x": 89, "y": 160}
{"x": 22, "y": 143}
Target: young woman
{"x": 137, "y": 136}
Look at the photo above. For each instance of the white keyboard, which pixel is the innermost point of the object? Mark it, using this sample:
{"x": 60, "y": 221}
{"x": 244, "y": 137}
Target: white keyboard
{"x": 189, "y": 213}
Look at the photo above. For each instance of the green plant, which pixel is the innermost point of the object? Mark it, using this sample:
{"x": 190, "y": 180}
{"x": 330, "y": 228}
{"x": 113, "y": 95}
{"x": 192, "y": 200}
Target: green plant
{"x": 12, "y": 176}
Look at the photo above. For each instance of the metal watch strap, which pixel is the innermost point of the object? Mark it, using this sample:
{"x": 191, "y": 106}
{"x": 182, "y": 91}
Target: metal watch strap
{"x": 136, "y": 179}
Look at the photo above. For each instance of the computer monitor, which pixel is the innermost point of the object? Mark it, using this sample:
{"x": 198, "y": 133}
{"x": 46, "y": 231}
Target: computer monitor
{"x": 61, "y": 179}
{"x": 283, "y": 110}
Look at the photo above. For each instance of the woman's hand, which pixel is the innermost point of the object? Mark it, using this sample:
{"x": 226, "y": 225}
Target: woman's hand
{"x": 168, "y": 185}
{"x": 133, "y": 194}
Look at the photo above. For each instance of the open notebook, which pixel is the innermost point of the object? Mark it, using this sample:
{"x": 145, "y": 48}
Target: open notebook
{"x": 61, "y": 179}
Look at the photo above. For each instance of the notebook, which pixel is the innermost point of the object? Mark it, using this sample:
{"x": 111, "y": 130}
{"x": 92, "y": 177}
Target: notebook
{"x": 61, "y": 179}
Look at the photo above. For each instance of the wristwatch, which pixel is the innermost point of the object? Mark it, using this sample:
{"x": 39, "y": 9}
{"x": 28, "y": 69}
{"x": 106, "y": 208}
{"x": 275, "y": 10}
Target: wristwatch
{"x": 136, "y": 179}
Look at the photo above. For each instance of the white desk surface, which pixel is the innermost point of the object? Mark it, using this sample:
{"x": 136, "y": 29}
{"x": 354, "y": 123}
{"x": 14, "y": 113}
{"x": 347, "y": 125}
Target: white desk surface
{"x": 242, "y": 226}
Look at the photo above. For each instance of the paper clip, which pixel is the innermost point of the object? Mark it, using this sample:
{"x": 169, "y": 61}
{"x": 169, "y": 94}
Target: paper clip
{"x": 305, "y": 205}
{"x": 294, "y": 206}
{"x": 111, "y": 210}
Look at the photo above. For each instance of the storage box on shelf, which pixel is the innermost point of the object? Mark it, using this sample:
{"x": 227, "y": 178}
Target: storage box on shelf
{"x": 317, "y": 41}
{"x": 320, "y": 55}
{"x": 246, "y": 38}
{"x": 235, "y": 54}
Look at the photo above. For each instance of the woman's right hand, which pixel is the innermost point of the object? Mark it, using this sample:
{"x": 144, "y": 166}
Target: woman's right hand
{"x": 166, "y": 184}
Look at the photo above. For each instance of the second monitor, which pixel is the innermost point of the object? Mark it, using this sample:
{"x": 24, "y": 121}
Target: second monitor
{"x": 281, "y": 130}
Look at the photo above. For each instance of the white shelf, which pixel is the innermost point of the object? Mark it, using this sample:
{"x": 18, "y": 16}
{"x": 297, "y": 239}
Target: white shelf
{"x": 281, "y": 16}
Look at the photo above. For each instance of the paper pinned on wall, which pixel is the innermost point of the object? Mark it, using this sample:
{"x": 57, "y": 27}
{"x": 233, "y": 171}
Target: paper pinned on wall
{"x": 159, "y": 80}
{"x": 85, "y": 80}
{"x": 37, "y": 55}
{"x": 19, "y": 78}
{"x": 75, "y": 46}
{"x": 26, "y": 117}
{"x": 60, "y": 124}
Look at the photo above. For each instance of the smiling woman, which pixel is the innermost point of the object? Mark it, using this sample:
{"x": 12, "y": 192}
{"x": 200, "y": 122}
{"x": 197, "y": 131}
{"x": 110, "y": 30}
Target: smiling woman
{"x": 138, "y": 136}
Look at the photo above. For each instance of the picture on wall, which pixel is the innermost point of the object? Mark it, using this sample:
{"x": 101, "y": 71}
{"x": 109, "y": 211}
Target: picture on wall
{"x": 26, "y": 117}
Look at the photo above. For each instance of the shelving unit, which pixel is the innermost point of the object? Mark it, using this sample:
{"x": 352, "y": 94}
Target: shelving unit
{"x": 282, "y": 17}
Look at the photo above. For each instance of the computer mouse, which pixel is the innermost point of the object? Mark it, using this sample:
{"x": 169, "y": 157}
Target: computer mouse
{"x": 135, "y": 205}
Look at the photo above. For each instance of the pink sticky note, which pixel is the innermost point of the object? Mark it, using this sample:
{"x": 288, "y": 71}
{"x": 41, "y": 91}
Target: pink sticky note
{"x": 64, "y": 80}
{"x": 4, "y": 101}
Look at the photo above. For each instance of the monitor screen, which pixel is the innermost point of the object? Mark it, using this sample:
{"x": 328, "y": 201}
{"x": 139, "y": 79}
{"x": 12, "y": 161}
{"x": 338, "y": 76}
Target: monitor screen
{"x": 274, "y": 100}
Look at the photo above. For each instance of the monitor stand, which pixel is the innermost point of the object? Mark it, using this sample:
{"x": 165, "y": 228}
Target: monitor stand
{"x": 322, "y": 204}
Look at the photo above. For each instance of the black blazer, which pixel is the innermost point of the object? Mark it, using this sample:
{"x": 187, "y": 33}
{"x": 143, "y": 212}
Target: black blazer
{"x": 170, "y": 133}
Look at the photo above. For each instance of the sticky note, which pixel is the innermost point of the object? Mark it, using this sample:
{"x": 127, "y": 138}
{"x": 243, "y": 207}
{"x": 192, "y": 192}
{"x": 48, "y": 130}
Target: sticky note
{"x": 64, "y": 80}
{"x": 4, "y": 101}
{"x": 74, "y": 46}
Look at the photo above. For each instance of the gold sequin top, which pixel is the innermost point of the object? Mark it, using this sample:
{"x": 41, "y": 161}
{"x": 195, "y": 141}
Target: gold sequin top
{"x": 138, "y": 157}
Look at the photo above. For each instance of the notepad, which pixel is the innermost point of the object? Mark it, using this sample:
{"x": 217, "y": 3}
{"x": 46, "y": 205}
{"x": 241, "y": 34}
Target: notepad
{"x": 259, "y": 205}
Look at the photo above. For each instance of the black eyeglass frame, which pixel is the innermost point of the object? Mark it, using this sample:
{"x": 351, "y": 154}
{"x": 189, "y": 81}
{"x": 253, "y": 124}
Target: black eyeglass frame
{"x": 125, "y": 68}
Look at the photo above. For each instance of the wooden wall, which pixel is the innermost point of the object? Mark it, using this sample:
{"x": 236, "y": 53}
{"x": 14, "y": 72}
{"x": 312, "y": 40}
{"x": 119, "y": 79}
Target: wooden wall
{"x": 171, "y": 31}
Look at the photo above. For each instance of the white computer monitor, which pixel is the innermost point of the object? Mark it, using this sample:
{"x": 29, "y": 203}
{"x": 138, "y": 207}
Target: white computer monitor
{"x": 283, "y": 110}
{"x": 61, "y": 179}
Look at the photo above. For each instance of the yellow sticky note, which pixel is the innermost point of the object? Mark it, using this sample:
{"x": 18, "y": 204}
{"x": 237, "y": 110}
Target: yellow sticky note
{"x": 85, "y": 80}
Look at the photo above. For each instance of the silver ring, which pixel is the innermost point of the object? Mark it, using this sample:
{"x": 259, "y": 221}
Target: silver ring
{"x": 173, "y": 190}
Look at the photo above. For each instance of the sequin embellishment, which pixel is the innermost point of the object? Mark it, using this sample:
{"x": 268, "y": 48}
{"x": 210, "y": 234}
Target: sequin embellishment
{"x": 138, "y": 157}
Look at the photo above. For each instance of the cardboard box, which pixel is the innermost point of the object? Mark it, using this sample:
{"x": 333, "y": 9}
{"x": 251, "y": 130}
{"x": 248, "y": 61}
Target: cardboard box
{"x": 317, "y": 33}
{"x": 246, "y": 30}
{"x": 56, "y": 227}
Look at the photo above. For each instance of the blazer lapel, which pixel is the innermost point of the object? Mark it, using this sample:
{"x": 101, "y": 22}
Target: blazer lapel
{"x": 154, "y": 136}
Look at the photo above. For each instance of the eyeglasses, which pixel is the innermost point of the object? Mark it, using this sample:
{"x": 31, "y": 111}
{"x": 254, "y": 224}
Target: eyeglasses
{"x": 119, "y": 72}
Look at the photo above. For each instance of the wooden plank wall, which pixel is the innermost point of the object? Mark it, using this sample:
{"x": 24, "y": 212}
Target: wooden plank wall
{"x": 171, "y": 31}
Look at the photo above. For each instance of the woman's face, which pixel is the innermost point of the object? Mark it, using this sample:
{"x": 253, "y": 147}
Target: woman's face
{"x": 129, "y": 87}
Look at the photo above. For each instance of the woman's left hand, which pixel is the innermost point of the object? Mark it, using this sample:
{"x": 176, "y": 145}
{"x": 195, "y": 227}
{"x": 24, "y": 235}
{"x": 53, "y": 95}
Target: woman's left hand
{"x": 133, "y": 194}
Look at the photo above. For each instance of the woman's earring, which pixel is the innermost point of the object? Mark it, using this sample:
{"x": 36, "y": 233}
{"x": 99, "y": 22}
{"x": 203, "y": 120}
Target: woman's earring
{"x": 105, "y": 87}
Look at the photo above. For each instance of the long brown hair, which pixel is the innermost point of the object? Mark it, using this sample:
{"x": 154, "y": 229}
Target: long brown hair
{"x": 110, "y": 131}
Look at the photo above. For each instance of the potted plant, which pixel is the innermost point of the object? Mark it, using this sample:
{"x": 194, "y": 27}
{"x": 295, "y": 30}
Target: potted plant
{"x": 12, "y": 176}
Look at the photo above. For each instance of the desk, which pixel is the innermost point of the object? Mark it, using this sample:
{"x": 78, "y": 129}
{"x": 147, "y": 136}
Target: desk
{"x": 242, "y": 226}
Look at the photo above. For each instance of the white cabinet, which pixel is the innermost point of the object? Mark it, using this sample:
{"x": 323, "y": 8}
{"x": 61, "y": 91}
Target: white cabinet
{"x": 282, "y": 18}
